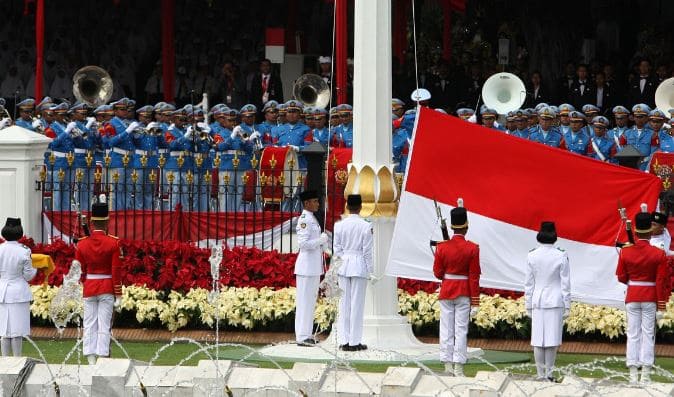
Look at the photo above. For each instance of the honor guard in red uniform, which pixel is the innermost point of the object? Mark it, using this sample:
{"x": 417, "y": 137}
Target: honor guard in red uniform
{"x": 457, "y": 264}
{"x": 100, "y": 256}
{"x": 644, "y": 269}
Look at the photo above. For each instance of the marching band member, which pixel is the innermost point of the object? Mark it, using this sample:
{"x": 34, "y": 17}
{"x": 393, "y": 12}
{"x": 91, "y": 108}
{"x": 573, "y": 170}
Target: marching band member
{"x": 270, "y": 111}
{"x": 457, "y": 264}
{"x": 547, "y": 298}
{"x": 621, "y": 116}
{"x": 16, "y": 269}
{"x": 122, "y": 149}
{"x": 601, "y": 146}
{"x": 545, "y": 133}
{"x": 26, "y": 110}
{"x": 640, "y": 135}
{"x": 643, "y": 268}
{"x": 577, "y": 139}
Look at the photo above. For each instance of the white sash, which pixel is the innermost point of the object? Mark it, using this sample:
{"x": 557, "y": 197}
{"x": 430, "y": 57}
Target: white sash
{"x": 596, "y": 150}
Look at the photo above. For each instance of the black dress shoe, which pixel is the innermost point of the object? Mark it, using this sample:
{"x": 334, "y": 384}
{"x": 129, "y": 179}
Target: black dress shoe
{"x": 358, "y": 347}
{"x": 310, "y": 341}
{"x": 344, "y": 347}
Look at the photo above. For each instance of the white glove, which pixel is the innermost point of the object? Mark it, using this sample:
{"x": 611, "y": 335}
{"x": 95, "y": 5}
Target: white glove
{"x": 473, "y": 311}
{"x": 296, "y": 148}
{"x": 6, "y": 122}
{"x": 254, "y": 135}
{"x": 324, "y": 239}
{"x": 132, "y": 127}
{"x": 118, "y": 302}
{"x": 204, "y": 127}
{"x": 659, "y": 315}
{"x": 234, "y": 134}
{"x": 529, "y": 313}
{"x": 36, "y": 123}
{"x": 566, "y": 314}
{"x": 172, "y": 127}
{"x": 153, "y": 125}
{"x": 90, "y": 122}
{"x": 190, "y": 131}
{"x": 372, "y": 279}
{"x": 70, "y": 127}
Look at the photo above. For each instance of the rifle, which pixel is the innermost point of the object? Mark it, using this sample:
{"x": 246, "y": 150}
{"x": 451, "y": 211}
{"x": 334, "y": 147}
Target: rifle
{"x": 443, "y": 224}
{"x": 628, "y": 226}
{"x": 82, "y": 219}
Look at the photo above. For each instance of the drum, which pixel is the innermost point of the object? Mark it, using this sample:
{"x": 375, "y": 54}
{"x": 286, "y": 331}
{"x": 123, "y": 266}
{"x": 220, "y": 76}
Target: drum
{"x": 278, "y": 173}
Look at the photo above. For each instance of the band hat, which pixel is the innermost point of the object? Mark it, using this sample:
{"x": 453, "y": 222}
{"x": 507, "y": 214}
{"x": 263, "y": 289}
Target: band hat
{"x": 600, "y": 121}
{"x": 589, "y": 108}
{"x": 270, "y": 105}
{"x": 459, "y": 218}
{"x": 99, "y": 209}
{"x": 576, "y": 116}
{"x": 546, "y": 113}
{"x": 643, "y": 222}
{"x": 28, "y": 103}
{"x": 397, "y": 103}
{"x": 657, "y": 114}
{"x": 620, "y": 110}
{"x": 640, "y": 109}
{"x": 565, "y": 109}
{"x": 248, "y": 110}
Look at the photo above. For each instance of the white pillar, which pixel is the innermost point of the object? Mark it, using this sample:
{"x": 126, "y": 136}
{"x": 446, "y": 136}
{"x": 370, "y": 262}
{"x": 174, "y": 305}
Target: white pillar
{"x": 21, "y": 159}
{"x": 384, "y": 328}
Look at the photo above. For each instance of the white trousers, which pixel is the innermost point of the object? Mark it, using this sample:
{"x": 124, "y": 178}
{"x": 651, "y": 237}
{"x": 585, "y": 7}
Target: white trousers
{"x": 454, "y": 317}
{"x": 97, "y": 323}
{"x": 305, "y": 304}
{"x": 351, "y": 308}
{"x": 640, "y": 333}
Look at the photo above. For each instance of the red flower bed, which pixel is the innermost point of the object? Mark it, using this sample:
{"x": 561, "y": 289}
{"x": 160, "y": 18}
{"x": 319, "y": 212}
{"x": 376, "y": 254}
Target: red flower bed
{"x": 179, "y": 266}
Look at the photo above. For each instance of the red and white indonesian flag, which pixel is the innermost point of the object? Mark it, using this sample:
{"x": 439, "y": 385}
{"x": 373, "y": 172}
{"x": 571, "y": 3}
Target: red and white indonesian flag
{"x": 274, "y": 44}
{"x": 509, "y": 185}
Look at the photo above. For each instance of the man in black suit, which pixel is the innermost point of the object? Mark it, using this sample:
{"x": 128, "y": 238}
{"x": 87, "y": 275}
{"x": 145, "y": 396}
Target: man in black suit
{"x": 642, "y": 89}
{"x": 582, "y": 89}
{"x": 604, "y": 95}
{"x": 444, "y": 89}
{"x": 536, "y": 93}
{"x": 265, "y": 86}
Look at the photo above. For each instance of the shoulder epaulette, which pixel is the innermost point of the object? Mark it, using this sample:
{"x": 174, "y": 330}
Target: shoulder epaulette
{"x": 560, "y": 249}
{"x": 627, "y": 245}
{"x": 115, "y": 237}
{"x": 82, "y": 238}
{"x": 533, "y": 249}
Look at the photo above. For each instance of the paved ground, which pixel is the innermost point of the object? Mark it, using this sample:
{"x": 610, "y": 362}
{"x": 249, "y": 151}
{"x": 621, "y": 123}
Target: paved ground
{"x": 143, "y": 335}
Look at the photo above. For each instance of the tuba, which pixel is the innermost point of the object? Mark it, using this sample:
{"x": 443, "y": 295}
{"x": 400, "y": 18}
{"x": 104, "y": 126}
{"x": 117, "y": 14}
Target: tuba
{"x": 664, "y": 95}
{"x": 311, "y": 90}
{"x": 504, "y": 92}
{"x": 92, "y": 85}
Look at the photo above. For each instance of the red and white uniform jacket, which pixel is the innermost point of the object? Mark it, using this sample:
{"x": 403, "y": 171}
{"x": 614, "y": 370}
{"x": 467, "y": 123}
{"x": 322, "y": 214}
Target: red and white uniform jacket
{"x": 457, "y": 264}
{"x": 645, "y": 270}
{"x": 101, "y": 264}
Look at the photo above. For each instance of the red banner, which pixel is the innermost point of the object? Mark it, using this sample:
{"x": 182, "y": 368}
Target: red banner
{"x": 176, "y": 225}
{"x": 39, "y": 48}
{"x": 338, "y": 160}
{"x": 167, "y": 48}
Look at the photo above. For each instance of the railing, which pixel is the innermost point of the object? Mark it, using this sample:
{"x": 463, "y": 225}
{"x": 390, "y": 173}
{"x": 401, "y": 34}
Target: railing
{"x": 206, "y": 205}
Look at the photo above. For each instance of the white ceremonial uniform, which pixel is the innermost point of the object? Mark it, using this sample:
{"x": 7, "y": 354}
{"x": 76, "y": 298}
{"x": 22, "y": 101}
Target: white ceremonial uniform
{"x": 662, "y": 241}
{"x": 308, "y": 271}
{"x": 16, "y": 269}
{"x": 547, "y": 294}
{"x": 353, "y": 244}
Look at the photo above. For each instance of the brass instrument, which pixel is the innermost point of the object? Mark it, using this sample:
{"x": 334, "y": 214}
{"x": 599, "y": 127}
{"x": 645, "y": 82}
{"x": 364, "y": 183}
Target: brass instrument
{"x": 311, "y": 90}
{"x": 92, "y": 85}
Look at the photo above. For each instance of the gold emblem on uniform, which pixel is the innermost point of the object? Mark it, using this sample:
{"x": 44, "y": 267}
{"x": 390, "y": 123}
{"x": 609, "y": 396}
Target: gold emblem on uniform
{"x": 303, "y": 225}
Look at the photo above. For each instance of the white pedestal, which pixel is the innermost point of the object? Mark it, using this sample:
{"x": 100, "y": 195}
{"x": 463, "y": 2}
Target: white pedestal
{"x": 21, "y": 159}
